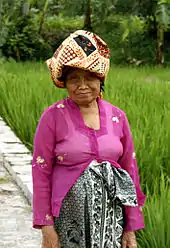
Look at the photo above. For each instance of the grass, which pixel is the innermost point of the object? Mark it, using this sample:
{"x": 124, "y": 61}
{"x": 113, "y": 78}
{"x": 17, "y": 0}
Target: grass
{"x": 26, "y": 90}
{"x": 157, "y": 218}
{"x": 147, "y": 106}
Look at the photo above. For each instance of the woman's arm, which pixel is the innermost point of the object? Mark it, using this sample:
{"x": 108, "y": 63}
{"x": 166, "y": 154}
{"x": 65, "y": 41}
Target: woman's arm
{"x": 43, "y": 160}
{"x": 133, "y": 215}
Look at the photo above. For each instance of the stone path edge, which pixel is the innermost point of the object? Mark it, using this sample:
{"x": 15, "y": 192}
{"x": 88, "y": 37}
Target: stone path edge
{"x": 16, "y": 158}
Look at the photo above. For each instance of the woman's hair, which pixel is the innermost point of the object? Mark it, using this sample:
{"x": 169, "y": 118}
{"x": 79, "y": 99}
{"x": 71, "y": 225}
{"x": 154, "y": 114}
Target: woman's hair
{"x": 102, "y": 86}
{"x": 67, "y": 69}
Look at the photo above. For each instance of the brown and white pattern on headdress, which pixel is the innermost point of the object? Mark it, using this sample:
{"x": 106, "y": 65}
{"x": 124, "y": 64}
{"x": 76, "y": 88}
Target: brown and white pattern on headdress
{"x": 83, "y": 50}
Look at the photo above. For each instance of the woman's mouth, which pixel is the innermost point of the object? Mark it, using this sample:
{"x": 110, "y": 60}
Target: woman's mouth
{"x": 83, "y": 93}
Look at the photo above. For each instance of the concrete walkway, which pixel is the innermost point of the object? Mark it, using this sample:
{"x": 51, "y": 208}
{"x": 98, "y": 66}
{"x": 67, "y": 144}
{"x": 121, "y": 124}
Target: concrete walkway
{"x": 15, "y": 216}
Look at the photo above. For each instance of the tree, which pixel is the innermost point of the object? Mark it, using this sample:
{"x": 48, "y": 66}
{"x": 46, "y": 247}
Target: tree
{"x": 1, "y": 12}
{"x": 163, "y": 21}
{"x": 25, "y": 7}
{"x": 43, "y": 15}
{"x": 87, "y": 19}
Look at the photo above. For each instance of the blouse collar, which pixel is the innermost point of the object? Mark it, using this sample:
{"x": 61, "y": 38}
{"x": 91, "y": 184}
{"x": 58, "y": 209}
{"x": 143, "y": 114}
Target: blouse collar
{"x": 78, "y": 119}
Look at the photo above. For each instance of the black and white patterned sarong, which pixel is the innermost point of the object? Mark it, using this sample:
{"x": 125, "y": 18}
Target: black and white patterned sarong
{"x": 91, "y": 215}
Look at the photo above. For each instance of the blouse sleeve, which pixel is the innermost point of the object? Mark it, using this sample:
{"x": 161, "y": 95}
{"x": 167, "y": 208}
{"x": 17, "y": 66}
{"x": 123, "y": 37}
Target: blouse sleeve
{"x": 43, "y": 160}
{"x": 134, "y": 219}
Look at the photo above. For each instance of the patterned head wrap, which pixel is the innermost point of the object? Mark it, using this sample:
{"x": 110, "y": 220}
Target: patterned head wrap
{"x": 84, "y": 50}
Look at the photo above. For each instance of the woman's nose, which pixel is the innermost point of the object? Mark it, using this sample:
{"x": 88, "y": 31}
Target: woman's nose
{"x": 83, "y": 84}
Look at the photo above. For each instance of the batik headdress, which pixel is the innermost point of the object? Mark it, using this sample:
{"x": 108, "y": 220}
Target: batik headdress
{"x": 84, "y": 50}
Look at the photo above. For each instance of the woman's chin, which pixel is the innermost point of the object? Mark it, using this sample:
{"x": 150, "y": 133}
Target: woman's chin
{"x": 84, "y": 100}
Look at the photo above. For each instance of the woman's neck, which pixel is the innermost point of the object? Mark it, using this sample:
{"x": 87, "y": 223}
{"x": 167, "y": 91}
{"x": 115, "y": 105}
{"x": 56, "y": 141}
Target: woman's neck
{"x": 92, "y": 107}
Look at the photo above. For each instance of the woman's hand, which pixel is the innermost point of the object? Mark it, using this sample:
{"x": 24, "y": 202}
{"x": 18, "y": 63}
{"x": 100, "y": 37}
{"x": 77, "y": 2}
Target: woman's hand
{"x": 129, "y": 240}
{"x": 50, "y": 237}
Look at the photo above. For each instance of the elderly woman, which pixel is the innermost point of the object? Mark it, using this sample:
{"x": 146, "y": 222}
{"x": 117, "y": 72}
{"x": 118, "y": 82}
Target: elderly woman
{"x": 86, "y": 188}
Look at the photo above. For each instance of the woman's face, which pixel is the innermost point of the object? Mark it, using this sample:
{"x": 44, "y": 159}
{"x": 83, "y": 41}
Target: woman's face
{"x": 83, "y": 86}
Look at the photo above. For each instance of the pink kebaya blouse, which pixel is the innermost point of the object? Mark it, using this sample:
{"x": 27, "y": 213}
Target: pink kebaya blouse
{"x": 64, "y": 147}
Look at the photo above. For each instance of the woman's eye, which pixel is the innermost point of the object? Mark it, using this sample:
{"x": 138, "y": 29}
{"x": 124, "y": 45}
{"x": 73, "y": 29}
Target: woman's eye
{"x": 90, "y": 78}
{"x": 73, "y": 78}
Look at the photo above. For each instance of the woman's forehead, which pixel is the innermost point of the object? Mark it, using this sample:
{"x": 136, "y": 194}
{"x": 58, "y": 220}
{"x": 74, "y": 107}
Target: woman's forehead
{"x": 78, "y": 71}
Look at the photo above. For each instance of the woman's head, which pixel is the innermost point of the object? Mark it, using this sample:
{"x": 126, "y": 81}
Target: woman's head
{"x": 83, "y": 86}
{"x": 83, "y": 50}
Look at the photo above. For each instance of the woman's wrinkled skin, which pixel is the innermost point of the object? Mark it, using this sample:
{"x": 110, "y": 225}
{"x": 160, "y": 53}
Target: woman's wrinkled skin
{"x": 129, "y": 240}
{"x": 83, "y": 88}
{"x": 50, "y": 238}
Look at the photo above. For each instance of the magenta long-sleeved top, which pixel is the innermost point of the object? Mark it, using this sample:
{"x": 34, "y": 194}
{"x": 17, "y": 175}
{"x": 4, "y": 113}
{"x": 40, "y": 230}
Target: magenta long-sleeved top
{"x": 64, "y": 147}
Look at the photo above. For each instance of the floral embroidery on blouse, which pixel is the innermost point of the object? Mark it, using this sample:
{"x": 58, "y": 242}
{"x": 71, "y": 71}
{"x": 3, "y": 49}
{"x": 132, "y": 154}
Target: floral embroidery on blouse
{"x": 115, "y": 119}
{"x": 60, "y": 158}
{"x": 60, "y": 105}
{"x": 43, "y": 166}
{"x": 48, "y": 217}
{"x": 134, "y": 155}
{"x": 40, "y": 161}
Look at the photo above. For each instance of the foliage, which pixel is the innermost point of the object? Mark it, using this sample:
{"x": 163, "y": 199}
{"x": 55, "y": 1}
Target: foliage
{"x": 57, "y": 28}
{"x": 123, "y": 26}
{"x": 32, "y": 35}
{"x": 22, "y": 41}
{"x": 132, "y": 24}
{"x": 163, "y": 13}
{"x": 123, "y": 35}
{"x": 64, "y": 23}
{"x": 19, "y": 33}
